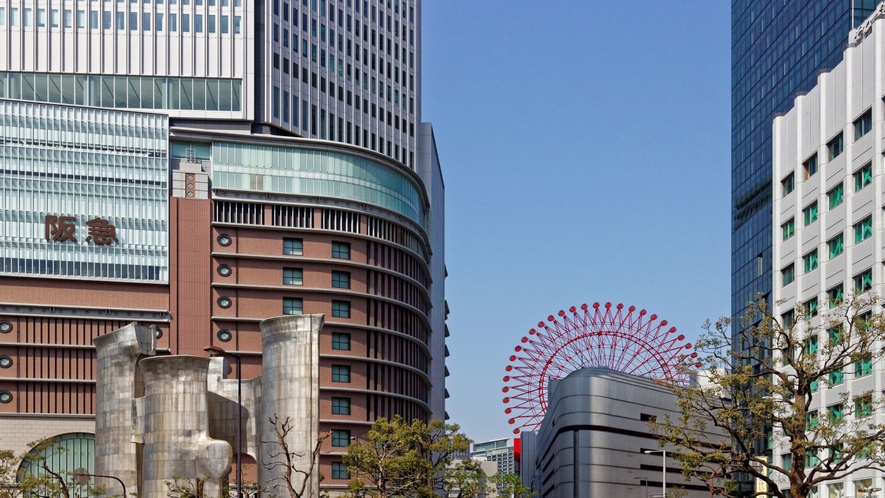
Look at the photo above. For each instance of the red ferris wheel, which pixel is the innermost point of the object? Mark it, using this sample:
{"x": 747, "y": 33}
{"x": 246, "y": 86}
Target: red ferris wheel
{"x": 606, "y": 336}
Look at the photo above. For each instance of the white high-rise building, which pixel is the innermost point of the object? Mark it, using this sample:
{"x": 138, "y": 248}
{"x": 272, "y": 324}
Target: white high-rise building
{"x": 345, "y": 70}
{"x": 829, "y": 238}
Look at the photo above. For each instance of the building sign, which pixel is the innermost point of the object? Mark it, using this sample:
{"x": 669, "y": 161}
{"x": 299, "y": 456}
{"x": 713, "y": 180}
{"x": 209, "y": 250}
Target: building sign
{"x": 61, "y": 228}
{"x": 761, "y": 485}
{"x": 94, "y": 204}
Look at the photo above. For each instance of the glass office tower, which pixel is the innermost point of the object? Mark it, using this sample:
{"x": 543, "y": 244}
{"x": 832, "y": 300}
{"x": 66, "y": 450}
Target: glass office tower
{"x": 778, "y": 49}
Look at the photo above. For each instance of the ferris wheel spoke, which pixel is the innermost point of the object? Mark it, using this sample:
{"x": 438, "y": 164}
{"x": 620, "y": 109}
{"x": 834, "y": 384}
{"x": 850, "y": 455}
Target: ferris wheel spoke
{"x": 615, "y": 337}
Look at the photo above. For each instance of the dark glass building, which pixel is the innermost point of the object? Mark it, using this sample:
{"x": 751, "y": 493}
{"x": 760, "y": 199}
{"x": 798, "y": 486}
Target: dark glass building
{"x": 778, "y": 49}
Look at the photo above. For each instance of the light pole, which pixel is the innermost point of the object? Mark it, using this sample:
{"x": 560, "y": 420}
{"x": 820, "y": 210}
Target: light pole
{"x": 663, "y": 470}
{"x": 217, "y": 351}
{"x": 83, "y": 478}
{"x": 645, "y": 481}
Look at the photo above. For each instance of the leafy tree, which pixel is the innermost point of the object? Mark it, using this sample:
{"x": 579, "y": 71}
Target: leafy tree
{"x": 395, "y": 458}
{"x": 185, "y": 488}
{"x": 760, "y": 390}
{"x": 510, "y": 485}
{"x": 465, "y": 479}
{"x": 9, "y": 463}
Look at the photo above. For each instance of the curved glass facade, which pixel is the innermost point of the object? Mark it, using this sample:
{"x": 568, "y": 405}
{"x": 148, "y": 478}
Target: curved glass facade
{"x": 64, "y": 454}
{"x": 291, "y": 170}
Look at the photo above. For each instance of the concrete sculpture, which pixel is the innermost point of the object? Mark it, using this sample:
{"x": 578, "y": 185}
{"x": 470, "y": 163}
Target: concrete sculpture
{"x": 165, "y": 417}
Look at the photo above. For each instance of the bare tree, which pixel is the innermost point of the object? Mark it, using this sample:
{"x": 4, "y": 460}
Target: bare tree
{"x": 294, "y": 479}
{"x": 762, "y": 380}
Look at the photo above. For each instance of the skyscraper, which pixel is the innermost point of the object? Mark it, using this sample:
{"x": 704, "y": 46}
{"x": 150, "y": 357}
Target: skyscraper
{"x": 340, "y": 70}
{"x": 778, "y": 48}
{"x": 201, "y": 165}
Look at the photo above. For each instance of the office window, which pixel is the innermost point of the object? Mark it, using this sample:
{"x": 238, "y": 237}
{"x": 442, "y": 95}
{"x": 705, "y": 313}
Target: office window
{"x": 788, "y": 319}
{"x": 340, "y": 439}
{"x": 864, "y": 365}
{"x": 788, "y": 183}
{"x": 293, "y": 276}
{"x": 341, "y": 279}
{"x": 835, "y": 246}
{"x": 341, "y": 309}
{"x": 809, "y": 261}
{"x": 863, "y": 177}
{"x": 811, "y": 308}
{"x": 863, "y": 282}
{"x": 811, "y": 421}
{"x": 340, "y": 373}
{"x": 341, "y": 250}
{"x": 787, "y": 460}
{"x": 835, "y": 295}
{"x": 836, "y": 377}
{"x": 340, "y": 406}
{"x": 293, "y": 247}
{"x": 835, "y": 146}
{"x": 834, "y": 336}
{"x": 811, "y": 459}
{"x": 293, "y": 306}
{"x": 863, "y": 407}
{"x": 339, "y": 471}
{"x": 809, "y": 346}
{"x": 835, "y": 196}
{"x": 788, "y": 229}
{"x": 863, "y": 124}
{"x": 809, "y": 214}
{"x": 788, "y": 274}
{"x": 863, "y": 229}
{"x": 340, "y": 341}
{"x": 810, "y": 166}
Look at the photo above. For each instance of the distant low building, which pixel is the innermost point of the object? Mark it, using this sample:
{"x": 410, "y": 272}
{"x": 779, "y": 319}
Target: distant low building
{"x": 499, "y": 451}
{"x": 488, "y": 469}
{"x": 594, "y": 436}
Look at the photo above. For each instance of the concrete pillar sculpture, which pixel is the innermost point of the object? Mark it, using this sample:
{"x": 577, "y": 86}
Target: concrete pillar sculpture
{"x": 174, "y": 420}
{"x": 117, "y": 384}
{"x": 289, "y": 388}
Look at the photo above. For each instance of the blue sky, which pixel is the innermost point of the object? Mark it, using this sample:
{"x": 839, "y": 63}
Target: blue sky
{"x": 586, "y": 153}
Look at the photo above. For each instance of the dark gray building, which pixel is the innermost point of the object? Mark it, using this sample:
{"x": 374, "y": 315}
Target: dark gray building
{"x": 593, "y": 439}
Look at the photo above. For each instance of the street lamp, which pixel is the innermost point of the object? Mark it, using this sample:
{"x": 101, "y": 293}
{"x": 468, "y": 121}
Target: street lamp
{"x": 217, "y": 351}
{"x": 643, "y": 480}
{"x": 663, "y": 470}
{"x": 83, "y": 478}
